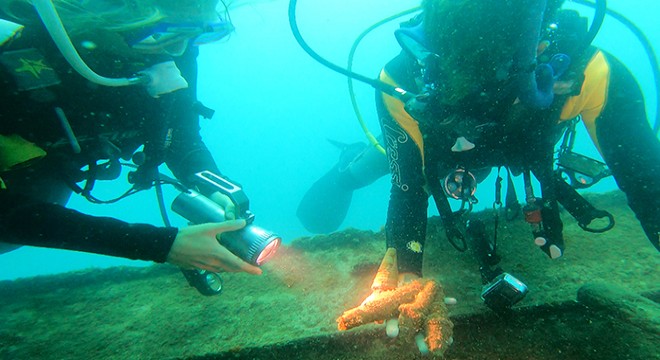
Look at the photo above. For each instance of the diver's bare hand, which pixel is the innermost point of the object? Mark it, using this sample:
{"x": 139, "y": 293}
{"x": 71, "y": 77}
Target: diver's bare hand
{"x": 225, "y": 202}
{"x": 425, "y": 319}
{"x": 197, "y": 247}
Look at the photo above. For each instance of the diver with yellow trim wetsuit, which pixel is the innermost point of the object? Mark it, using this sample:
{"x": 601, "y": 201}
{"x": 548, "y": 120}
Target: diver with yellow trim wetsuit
{"x": 596, "y": 87}
{"x": 62, "y": 124}
{"x": 477, "y": 87}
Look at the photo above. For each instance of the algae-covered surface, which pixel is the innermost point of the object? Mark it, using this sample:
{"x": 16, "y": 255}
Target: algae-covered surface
{"x": 290, "y": 311}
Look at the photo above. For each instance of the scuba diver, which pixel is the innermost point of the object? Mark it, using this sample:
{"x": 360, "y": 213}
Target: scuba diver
{"x": 629, "y": 148}
{"x": 64, "y": 126}
{"x": 482, "y": 85}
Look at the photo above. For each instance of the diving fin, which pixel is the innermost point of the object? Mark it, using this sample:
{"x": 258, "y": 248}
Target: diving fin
{"x": 324, "y": 206}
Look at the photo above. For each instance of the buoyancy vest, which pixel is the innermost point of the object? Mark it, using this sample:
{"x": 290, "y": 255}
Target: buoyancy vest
{"x": 46, "y": 96}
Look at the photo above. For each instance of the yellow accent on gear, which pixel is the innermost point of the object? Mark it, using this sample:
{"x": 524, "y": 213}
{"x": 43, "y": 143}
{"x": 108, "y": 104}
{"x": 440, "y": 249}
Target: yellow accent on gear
{"x": 34, "y": 67}
{"x": 16, "y": 151}
{"x": 414, "y": 246}
{"x": 396, "y": 108}
{"x": 593, "y": 95}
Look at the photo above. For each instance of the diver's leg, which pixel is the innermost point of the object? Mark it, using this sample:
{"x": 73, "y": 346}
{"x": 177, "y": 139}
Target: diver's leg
{"x": 630, "y": 148}
{"x": 369, "y": 166}
{"x": 324, "y": 206}
{"x": 632, "y": 152}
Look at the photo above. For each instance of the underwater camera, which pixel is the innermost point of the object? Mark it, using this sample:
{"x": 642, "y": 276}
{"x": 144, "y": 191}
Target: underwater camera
{"x": 251, "y": 243}
{"x": 503, "y": 292}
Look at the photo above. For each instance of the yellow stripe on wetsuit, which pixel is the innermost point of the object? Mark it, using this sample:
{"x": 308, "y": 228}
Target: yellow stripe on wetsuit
{"x": 593, "y": 95}
{"x": 395, "y": 107}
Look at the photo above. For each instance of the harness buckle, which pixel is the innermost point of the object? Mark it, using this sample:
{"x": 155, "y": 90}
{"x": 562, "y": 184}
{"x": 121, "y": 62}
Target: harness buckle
{"x": 580, "y": 170}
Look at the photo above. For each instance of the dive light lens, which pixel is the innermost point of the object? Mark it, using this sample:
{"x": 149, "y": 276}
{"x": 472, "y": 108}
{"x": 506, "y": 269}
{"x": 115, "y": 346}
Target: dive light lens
{"x": 252, "y": 244}
{"x": 269, "y": 251}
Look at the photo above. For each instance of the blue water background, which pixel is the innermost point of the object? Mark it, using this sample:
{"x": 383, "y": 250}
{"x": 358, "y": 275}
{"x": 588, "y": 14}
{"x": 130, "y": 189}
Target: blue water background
{"x": 276, "y": 107}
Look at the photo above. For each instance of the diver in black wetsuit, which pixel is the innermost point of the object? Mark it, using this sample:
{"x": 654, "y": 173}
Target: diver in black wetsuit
{"x": 596, "y": 87}
{"x": 62, "y": 125}
{"x": 479, "y": 86}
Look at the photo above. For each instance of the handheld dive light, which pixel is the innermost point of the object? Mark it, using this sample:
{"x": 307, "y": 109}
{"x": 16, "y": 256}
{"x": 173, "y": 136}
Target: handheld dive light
{"x": 252, "y": 243}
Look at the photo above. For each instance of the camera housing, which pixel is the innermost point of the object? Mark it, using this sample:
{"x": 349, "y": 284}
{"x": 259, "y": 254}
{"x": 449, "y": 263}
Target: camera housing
{"x": 503, "y": 292}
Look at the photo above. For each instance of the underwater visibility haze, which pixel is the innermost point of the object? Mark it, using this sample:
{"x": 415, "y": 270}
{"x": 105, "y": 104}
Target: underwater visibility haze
{"x": 279, "y": 117}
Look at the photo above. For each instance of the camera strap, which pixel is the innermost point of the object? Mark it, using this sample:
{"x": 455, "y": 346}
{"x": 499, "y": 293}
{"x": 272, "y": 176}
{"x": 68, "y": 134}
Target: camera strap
{"x": 582, "y": 210}
{"x": 497, "y": 206}
{"x": 511, "y": 204}
{"x": 449, "y": 218}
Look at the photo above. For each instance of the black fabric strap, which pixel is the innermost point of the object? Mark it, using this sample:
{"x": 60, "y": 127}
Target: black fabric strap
{"x": 448, "y": 217}
{"x": 580, "y": 208}
{"x": 511, "y": 204}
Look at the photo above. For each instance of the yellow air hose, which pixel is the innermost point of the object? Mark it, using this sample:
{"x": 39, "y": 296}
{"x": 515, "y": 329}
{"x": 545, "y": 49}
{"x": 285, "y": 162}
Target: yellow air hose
{"x": 372, "y": 139}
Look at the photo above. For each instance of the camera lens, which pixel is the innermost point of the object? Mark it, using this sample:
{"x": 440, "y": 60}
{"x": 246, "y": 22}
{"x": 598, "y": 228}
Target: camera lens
{"x": 213, "y": 282}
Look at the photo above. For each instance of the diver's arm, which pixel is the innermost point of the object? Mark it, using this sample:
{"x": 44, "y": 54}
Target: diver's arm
{"x": 407, "y": 211}
{"x": 406, "y": 215}
{"x": 187, "y": 156}
{"x": 630, "y": 148}
{"x": 187, "y": 153}
{"x": 26, "y": 221}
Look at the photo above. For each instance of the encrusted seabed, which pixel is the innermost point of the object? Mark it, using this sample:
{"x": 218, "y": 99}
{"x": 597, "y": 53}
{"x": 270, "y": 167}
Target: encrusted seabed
{"x": 290, "y": 311}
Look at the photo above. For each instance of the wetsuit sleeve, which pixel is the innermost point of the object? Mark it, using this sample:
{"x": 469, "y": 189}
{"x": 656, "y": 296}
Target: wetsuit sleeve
{"x": 407, "y": 212}
{"x": 629, "y": 146}
{"x": 29, "y": 222}
{"x": 187, "y": 153}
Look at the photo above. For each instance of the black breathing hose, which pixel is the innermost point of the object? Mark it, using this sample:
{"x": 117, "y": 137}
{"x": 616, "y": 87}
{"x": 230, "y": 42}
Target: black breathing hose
{"x": 397, "y": 92}
{"x": 599, "y": 16}
{"x": 601, "y": 10}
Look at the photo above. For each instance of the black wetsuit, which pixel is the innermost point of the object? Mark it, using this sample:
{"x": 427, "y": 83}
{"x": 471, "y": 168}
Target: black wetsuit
{"x": 108, "y": 122}
{"x": 610, "y": 103}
